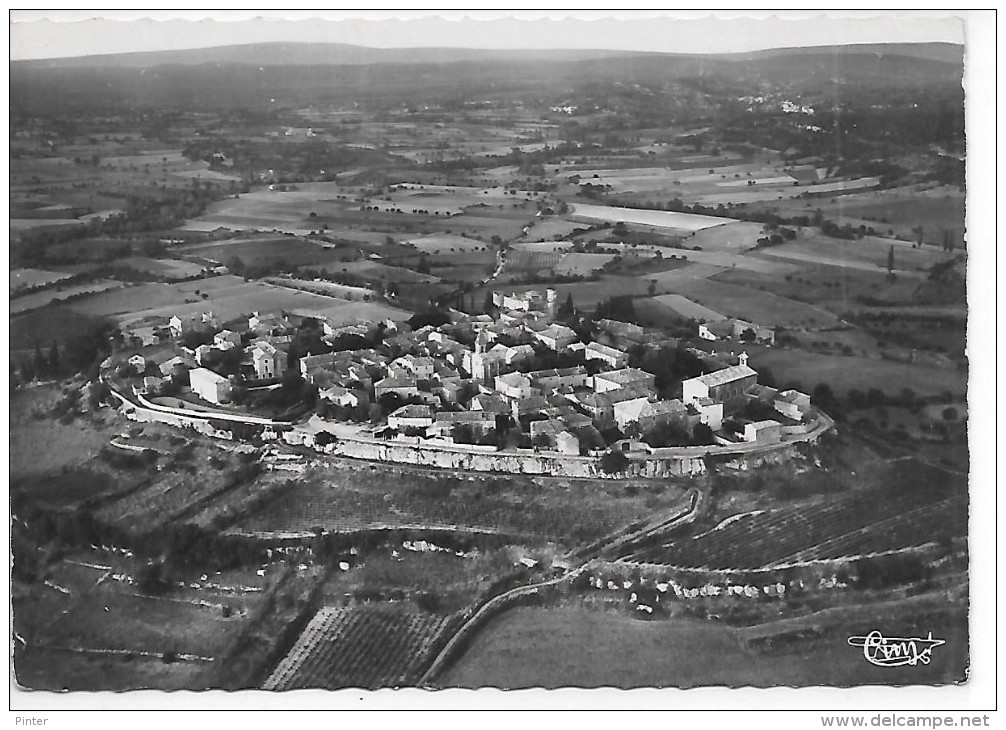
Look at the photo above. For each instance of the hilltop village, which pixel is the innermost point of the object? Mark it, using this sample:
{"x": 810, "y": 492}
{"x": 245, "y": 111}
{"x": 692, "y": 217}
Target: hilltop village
{"x": 516, "y": 379}
{"x": 334, "y": 368}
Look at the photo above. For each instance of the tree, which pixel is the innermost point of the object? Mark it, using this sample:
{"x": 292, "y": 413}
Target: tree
{"x": 702, "y": 435}
{"x": 541, "y": 441}
{"x": 40, "y": 365}
{"x": 194, "y": 338}
{"x": 292, "y": 381}
{"x": 151, "y": 578}
{"x": 614, "y": 462}
{"x": 97, "y": 394}
{"x": 823, "y": 395}
{"x": 324, "y": 438}
{"x": 54, "y": 358}
{"x": 567, "y": 310}
{"x": 652, "y": 288}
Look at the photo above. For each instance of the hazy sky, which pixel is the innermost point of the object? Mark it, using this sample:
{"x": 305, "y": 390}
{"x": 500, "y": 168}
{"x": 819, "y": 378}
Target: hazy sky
{"x": 50, "y": 34}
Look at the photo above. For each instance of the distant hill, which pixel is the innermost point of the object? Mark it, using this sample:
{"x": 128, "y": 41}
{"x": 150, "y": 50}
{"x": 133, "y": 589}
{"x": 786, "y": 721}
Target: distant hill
{"x": 290, "y": 73}
{"x": 943, "y": 52}
{"x": 342, "y": 54}
{"x": 312, "y": 54}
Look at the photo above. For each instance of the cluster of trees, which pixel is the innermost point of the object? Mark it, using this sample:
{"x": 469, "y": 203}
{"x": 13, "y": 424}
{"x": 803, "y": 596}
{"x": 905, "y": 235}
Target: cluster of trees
{"x": 79, "y": 354}
{"x": 781, "y": 235}
{"x": 676, "y": 434}
{"x": 670, "y": 364}
{"x": 313, "y": 159}
{"x": 616, "y": 307}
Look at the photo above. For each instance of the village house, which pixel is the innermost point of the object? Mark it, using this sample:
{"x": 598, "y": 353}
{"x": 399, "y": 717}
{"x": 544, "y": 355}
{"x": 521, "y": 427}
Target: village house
{"x": 548, "y": 380}
{"x": 792, "y": 404}
{"x": 201, "y": 353}
{"x": 145, "y": 336}
{"x": 404, "y": 387}
{"x": 762, "y": 393}
{"x": 420, "y": 367}
{"x": 209, "y": 386}
{"x": 481, "y": 423}
{"x": 267, "y": 360}
{"x": 556, "y": 337}
{"x": 514, "y": 386}
{"x": 138, "y": 362}
{"x": 572, "y": 418}
{"x": 178, "y": 325}
{"x": 618, "y": 334}
{"x": 311, "y": 365}
{"x": 763, "y": 432}
{"x": 624, "y": 378}
{"x": 555, "y": 435}
{"x": 710, "y": 412}
{"x": 448, "y": 391}
{"x": 489, "y": 403}
{"x": 411, "y": 417}
{"x": 737, "y": 329}
{"x": 532, "y": 405}
{"x": 612, "y": 357}
{"x": 647, "y": 414}
{"x": 597, "y": 406}
{"x": 527, "y": 301}
{"x": 342, "y": 396}
{"x": 226, "y": 339}
{"x": 167, "y": 367}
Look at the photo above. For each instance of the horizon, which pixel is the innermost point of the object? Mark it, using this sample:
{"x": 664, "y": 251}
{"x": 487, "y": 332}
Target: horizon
{"x": 55, "y": 35}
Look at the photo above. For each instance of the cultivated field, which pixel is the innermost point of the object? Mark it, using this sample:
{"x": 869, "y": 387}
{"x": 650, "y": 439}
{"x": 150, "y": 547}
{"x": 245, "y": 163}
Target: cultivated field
{"x": 290, "y": 250}
{"x": 858, "y": 526}
{"x": 362, "y": 646}
{"x": 227, "y": 297}
{"x": 761, "y": 307}
{"x": 652, "y": 218}
{"x": 900, "y": 210}
{"x": 868, "y": 254}
{"x": 24, "y": 279}
{"x": 582, "y": 264}
{"x": 574, "y": 646}
{"x": 39, "y": 299}
{"x": 169, "y": 269}
{"x": 374, "y": 271}
{"x": 688, "y": 309}
{"x": 105, "y": 634}
{"x": 286, "y": 211}
{"x": 437, "y": 243}
{"x": 547, "y": 230}
{"x": 804, "y": 370}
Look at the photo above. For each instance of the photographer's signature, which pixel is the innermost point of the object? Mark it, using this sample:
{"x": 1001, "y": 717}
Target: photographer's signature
{"x": 895, "y": 651}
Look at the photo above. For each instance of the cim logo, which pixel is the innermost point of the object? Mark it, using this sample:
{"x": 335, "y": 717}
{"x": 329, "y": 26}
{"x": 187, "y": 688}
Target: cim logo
{"x": 896, "y": 651}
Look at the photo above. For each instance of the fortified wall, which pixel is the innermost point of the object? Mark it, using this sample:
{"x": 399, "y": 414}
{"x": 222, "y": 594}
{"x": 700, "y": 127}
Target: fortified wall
{"x": 655, "y": 463}
{"x": 650, "y": 463}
